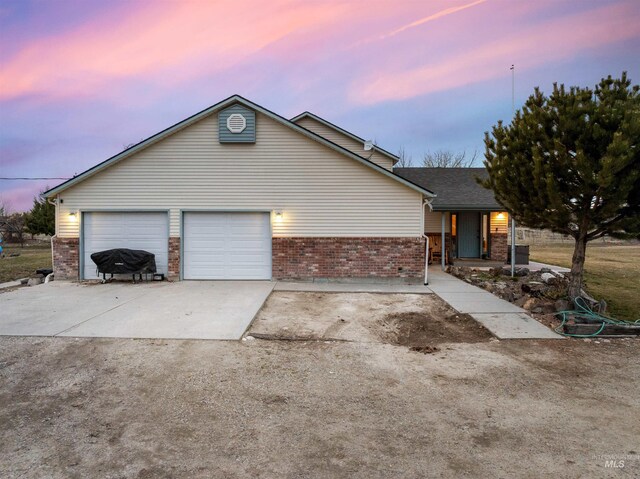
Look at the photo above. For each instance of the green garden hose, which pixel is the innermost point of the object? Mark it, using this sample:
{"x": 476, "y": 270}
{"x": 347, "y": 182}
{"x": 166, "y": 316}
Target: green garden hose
{"x": 585, "y": 312}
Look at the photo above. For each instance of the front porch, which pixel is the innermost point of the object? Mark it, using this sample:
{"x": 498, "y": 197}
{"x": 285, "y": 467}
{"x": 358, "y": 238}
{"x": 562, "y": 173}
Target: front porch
{"x": 476, "y": 237}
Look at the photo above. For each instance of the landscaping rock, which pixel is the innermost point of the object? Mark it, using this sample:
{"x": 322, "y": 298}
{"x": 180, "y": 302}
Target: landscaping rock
{"x": 497, "y": 271}
{"x": 520, "y": 301}
{"x": 34, "y": 281}
{"x": 562, "y": 305}
{"x": 536, "y": 291}
{"x": 546, "y": 277}
{"x": 530, "y": 304}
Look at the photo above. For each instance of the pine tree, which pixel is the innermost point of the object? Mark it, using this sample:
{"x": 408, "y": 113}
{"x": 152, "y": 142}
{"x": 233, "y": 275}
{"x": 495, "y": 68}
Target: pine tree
{"x": 41, "y": 218}
{"x": 570, "y": 163}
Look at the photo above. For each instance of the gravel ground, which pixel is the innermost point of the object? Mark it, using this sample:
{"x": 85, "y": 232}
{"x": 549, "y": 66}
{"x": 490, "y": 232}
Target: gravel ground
{"x": 283, "y": 409}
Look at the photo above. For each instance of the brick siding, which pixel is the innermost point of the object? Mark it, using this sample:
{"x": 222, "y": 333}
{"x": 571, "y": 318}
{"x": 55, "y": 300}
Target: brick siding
{"x": 174, "y": 258}
{"x": 306, "y": 258}
{"x": 66, "y": 258}
{"x": 499, "y": 246}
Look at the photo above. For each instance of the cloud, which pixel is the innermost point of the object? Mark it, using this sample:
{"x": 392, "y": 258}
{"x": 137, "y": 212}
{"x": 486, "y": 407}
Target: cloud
{"x": 528, "y": 48}
{"x": 19, "y": 197}
{"x": 168, "y": 39}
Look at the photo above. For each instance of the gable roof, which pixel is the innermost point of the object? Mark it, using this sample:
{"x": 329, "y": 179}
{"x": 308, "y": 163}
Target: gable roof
{"x": 308, "y": 114}
{"x": 457, "y": 188}
{"x": 209, "y": 111}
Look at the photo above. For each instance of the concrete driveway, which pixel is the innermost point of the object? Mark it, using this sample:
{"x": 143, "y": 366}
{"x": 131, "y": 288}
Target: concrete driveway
{"x": 184, "y": 310}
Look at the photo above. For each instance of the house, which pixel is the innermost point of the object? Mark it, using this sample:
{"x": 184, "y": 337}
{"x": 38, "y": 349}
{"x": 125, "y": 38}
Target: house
{"x": 239, "y": 192}
{"x": 464, "y": 214}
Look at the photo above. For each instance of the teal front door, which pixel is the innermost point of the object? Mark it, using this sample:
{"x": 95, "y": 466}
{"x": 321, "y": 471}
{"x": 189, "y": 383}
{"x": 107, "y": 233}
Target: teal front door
{"x": 468, "y": 234}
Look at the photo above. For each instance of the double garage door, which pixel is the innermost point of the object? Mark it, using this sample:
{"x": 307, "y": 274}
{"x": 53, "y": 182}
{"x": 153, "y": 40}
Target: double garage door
{"x": 215, "y": 245}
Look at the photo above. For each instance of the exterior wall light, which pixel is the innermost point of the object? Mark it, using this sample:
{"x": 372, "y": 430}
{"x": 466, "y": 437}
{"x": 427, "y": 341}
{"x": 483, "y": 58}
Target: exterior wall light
{"x": 73, "y": 216}
{"x": 500, "y": 216}
{"x": 278, "y": 216}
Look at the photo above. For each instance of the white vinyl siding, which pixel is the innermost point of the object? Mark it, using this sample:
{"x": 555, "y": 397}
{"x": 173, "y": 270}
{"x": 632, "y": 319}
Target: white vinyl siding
{"x": 433, "y": 222}
{"x": 146, "y": 231}
{"x": 345, "y": 142}
{"x": 321, "y": 192}
{"x": 226, "y": 246}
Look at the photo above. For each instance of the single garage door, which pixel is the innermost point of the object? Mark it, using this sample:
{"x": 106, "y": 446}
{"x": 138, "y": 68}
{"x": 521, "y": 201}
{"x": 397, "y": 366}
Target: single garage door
{"x": 148, "y": 231}
{"x": 227, "y": 245}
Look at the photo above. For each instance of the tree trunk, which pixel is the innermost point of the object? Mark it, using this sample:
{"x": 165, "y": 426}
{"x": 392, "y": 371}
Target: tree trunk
{"x": 577, "y": 266}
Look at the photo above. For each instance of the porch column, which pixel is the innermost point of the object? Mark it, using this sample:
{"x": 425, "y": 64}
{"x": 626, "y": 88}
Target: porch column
{"x": 442, "y": 247}
{"x": 513, "y": 246}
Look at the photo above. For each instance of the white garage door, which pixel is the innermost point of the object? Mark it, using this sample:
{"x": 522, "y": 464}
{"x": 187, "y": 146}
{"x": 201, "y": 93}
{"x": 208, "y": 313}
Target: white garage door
{"x": 146, "y": 231}
{"x": 227, "y": 246}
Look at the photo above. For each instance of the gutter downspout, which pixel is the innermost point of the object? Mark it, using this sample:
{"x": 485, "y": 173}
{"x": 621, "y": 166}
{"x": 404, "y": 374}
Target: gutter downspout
{"x": 55, "y": 233}
{"x": 426, "y": 243}
{"x": 443, "y": 247}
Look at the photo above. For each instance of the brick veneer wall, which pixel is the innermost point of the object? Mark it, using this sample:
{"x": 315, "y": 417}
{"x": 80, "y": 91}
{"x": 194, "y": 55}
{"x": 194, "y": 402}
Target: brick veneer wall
{"x": 174, "y": 258}
{"x": 66, "y": 258}
{"x": 499, "y": 246}
{"x": 305, "y": 258}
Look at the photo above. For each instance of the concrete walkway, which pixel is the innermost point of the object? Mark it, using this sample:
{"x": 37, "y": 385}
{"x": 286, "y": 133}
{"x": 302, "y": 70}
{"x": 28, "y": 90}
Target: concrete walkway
{"x": 503, "y": 319}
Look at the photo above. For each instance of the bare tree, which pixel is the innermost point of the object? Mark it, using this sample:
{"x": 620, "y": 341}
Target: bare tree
{"x": 448, "y": 159}
{"x": 5, "y": 207}
{"x": 12, "y": 228}
{"x": 405, "y": 159}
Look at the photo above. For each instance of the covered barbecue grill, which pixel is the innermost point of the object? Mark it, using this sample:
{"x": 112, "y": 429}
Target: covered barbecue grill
{"x": 124, "y": 261}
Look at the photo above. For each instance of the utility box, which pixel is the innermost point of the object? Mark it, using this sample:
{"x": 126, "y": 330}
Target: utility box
{"x": 522, "y": 254}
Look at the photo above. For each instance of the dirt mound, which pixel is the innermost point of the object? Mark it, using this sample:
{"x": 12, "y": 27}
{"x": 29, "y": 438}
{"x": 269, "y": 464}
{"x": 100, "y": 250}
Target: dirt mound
{"x": 421, "y": 331}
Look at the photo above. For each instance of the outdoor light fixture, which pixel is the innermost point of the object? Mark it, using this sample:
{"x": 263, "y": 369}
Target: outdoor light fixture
{"x": 500, "y": 216}
{"x": 278, "y": 216}
{"x": 73, "y": 216}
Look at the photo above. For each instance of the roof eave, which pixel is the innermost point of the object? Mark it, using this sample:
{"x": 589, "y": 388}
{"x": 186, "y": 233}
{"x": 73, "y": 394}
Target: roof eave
{"x": 353, "y": 136}
{"x": 467, "y": 207}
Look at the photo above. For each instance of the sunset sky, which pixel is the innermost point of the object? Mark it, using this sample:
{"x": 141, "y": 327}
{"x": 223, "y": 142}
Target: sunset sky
{"x": 79, "y": 80}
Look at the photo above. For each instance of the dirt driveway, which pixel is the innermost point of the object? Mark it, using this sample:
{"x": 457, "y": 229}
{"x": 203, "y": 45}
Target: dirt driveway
{"x": 289, "y": 409}
{"x": 418, "y": 321}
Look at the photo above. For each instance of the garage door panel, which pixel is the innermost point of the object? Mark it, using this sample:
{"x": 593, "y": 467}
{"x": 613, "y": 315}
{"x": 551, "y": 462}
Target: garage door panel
{"x": 147, "y": 231}
{"x": 227, "y": 246}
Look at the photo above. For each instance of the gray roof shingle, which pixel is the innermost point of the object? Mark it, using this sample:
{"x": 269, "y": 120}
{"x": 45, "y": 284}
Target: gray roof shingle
{"x": 456, "y": 187}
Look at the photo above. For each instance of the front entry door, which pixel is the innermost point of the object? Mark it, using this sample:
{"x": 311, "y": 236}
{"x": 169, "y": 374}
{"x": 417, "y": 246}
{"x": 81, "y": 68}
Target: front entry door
{"x": 468, "y": 234}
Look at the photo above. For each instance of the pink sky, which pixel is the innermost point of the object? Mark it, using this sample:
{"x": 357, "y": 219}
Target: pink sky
{"x": 79, "y": 80}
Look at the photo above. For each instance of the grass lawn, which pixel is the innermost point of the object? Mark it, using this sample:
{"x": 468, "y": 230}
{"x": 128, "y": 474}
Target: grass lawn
{"x": 31, "y": 258}
{"x": 612, "y": 273}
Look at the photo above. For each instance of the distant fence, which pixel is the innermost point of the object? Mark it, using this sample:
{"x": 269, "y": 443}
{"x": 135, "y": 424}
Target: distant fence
{"x": 533, "y": 236}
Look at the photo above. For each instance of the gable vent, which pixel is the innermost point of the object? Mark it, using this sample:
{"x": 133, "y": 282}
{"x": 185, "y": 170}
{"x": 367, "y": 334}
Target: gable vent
{"x": 236, "y": 123}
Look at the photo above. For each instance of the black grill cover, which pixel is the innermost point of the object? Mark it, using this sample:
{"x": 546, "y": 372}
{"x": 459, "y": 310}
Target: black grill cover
{"x": 124, "y": 261}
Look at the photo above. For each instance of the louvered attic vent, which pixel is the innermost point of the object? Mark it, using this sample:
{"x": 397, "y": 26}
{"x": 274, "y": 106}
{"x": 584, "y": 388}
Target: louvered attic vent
{"x": 237, "y": 124}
